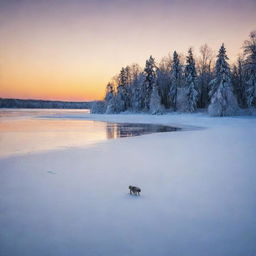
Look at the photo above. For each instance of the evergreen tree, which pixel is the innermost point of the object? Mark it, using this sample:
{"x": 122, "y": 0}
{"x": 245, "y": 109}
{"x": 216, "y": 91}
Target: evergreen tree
{"x": 250, "y": 68}
{"x": 109, "y": 92}
{"x": 135, "y": 82}
{"x": 98, "y": 107}
{"x": 110, "y": 99}
{"x": 238, "y": 82}
{"x": 223, "y": 101}
{"x": 150, "y": 80}
{"x": 155, "y": 102}
{"x": 128, "y": 92}
{"x": 122, "y": 97}
{"x": 191, "y": 83}
{"x": 175, "y": 81}
{"x": 137, "y": 96}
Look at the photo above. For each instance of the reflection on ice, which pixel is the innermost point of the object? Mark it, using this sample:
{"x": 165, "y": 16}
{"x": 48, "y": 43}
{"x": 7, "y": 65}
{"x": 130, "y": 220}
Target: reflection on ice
{"x": 119, "y": 130}
{"x": 23, "y": 131}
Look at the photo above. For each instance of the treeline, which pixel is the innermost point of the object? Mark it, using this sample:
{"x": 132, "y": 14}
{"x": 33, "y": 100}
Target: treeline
{"x": 185, "y": 84}
{"x": 18, "y": 103}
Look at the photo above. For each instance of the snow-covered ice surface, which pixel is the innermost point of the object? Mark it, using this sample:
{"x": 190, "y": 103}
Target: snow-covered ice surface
{"x": 198, "y": 193}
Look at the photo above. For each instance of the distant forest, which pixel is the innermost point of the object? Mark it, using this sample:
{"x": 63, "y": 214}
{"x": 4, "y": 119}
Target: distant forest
{"x": 186, "y": 84}
{"x": 18, "y": 103}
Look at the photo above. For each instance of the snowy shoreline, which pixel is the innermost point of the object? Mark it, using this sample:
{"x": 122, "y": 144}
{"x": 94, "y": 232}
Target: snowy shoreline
{"x": 198, "y": 193}
{"x": 185, "y": 121}
{"x": 175, "y": 119}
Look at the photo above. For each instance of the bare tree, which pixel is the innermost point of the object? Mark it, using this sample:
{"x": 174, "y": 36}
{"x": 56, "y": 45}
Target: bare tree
{"x": 205, "y": 69}
{"x": 163, "y": 79}
{"x": 135, "y": 70}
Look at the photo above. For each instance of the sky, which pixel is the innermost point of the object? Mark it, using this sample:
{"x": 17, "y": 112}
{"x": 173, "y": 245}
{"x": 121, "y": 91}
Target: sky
{"x": 70, "y": 49}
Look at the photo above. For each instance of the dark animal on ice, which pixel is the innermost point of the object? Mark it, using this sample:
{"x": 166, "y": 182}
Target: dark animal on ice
{"x": 134, "y": 190}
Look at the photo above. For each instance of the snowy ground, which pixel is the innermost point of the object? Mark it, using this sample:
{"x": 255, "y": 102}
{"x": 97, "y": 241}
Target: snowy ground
{"x": 198, "y": 193}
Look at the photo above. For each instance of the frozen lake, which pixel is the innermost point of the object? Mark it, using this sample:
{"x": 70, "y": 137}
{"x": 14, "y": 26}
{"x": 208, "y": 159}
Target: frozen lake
{"x": 24, "y": 131}
{"x": 197, "y": 187}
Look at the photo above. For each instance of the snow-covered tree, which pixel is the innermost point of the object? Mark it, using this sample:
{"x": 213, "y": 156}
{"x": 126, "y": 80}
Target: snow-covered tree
{"x": 238, "y": 82}
{"x": 128, "y": 75}
{"x": 181, "y": 101}
{"x": 135, "y": 82}
{"x": 155, "y": 102}
{"x": 175, "y": 80}
{"x": 109, "y": 92}
{"x": 110, "y": 99}
{"x": 150, "y": 80}
{"x": 111, "y": 107}
{"x": 223, "y": 100}
{"x": 122, "y": 96}
{"x": 137, "y": 96}
{"x": 191, "y": 83}
{"x": 205, "y": 75}
{"x": 250, "y": 68}
{"x": 128, "y": 92}
{"x": 163, "y": 80}
{"x": 98, "y": 107}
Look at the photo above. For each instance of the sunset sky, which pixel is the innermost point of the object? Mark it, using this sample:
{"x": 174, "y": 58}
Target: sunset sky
{"x": 70, "y": 49}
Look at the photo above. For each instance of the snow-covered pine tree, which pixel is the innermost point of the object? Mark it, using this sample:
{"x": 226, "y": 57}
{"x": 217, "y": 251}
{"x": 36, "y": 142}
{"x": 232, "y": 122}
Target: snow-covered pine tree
{"x": 110, "y": 99}
{"x": 190, "y": 83}
{"x": 109, "y": 92}
{"x": 128, "y": 82}
{"x": 98, "y": 107}
{"x": 122, "y": 97}
{"x": 250, "y": 68}
{"x": 150, "y": 80}
{"x": 137, "y": 96}
{"x": 135, "y": 82}
{"x": 155, "y": 102}
{"x": 175, "y": 80}
{"x": 223, "y": 100}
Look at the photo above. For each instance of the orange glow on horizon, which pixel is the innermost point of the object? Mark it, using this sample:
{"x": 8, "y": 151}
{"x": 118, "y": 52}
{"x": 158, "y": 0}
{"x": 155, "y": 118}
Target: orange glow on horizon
{"x": 69, "y": 50}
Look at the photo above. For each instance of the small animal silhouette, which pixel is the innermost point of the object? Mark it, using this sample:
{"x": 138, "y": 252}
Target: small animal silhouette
{"x": 134, "y": 190}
